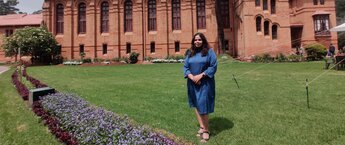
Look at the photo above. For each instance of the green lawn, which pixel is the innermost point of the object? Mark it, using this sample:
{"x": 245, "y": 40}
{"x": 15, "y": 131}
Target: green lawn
{"x": 18, "y": 124}
{"x": 270, "y": 106}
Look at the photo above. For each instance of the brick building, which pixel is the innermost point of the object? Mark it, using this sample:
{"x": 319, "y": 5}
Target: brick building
{"x": 9, "y": 24}
{"x": 157, "y": 28}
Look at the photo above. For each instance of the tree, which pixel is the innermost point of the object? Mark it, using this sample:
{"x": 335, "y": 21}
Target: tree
{"x": 8, "y": 7}
{"x": 37, "y": 12}
{"x": 340, "y": 8}
{"x": 36, "y": 42}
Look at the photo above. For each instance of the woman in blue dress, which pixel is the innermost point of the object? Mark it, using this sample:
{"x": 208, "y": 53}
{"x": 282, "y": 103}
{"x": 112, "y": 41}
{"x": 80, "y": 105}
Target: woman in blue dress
{"x": 199, "y": 68}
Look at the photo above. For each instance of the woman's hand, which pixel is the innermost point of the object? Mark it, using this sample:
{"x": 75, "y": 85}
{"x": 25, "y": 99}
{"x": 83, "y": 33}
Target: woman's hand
{"x": 197, "y": 78}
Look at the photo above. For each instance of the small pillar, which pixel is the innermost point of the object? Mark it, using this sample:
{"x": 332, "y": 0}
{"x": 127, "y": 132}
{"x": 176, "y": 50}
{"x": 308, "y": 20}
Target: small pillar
{"x": 34, "y": 94}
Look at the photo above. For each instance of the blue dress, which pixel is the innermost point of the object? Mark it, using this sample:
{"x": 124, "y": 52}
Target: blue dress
{"x": 201, "y": 96}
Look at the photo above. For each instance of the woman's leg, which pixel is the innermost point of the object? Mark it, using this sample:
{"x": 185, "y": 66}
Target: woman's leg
{"x": 206, "y": 133}
{"x": 199, "y": 121}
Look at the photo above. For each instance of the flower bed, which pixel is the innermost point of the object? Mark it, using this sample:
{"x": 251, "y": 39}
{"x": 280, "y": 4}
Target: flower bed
{"x": 34, "y": 82}
{"x": 73, "y": 121}
{"x": 21, "y": 88}
{"x": 94, "y": 125}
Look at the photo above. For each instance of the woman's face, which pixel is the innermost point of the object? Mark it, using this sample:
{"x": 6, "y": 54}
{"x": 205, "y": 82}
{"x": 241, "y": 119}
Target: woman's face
{"x": 197, "y": 41}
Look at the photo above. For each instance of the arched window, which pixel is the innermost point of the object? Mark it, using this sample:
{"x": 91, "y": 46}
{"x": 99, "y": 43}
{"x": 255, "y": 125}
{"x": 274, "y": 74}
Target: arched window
{"x": 201, "y": 14}
{"x": 128, "y": 16}
{"x": 266, "y": 28}
{"x": 104, "y": 17}
{"x": 257, "y": 3}
{"x": 265, "y": 5}
{"x": 322, "y": 2}
{"x": 273, "y": 6}
{"x": 82, "y": 18}
{"x": 315, "y": 2}
{"x": 59, "y": 18}
{"x": 152, "y": 15}
{"x": 274, "y": 32}
{"x": 176, "y": 14}
{"x": 224, "y": 6}
{"x": 258, "y": 24}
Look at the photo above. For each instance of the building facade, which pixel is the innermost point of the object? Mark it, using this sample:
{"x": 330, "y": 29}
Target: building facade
{"x": 110, "y": 29}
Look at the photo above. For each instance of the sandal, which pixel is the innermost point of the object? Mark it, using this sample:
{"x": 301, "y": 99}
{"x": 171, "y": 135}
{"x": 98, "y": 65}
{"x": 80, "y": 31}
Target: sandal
{"x": 200, "y": 131}
{"x": 203, "y": 138}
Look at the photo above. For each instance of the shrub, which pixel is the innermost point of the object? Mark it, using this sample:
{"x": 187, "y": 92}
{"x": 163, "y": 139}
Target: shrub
{"x": 281, "y": 58}
{"x": 57, "y": 59}
{"x": 87, "y": 60}
{"x": 98, "y": 60}
{"x": 267, "y": 57}
{"x": 315, "y": 51}
{"x": 263, "y": 58}
{"x": 133, "y": 57}
{"x": 294, "y": 58}
{"x": 257, "y": 58}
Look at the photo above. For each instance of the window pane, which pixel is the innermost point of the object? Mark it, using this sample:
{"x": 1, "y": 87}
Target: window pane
{"x": 201, "y": 14}
{"x": 104, "y": 17}
{"x": 82, "y": 18}
{"x": 266, "y": 28}
{"x": 274, "y": 32}
{"x": 176, "y": 15}
{"x": 258, "y": 24}
{"x": 128, "y": 16}
{"x": 59, "y": 18}
{"x": 152, "y": 47}
{"x": 128, "y": 48}
{"x": 105, "y": 49}
{"x": 265, "y": 6}
{"x": 177, "y": 46}
{"x": 257, "y": 2}
{"x": 273, "y": 6}
{"x": 321, "y": 25}
{"x": 225, "y": 13}
{"x": 152, "y": 15}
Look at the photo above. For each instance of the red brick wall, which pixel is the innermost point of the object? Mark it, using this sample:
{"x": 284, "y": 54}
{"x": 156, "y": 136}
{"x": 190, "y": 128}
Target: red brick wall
{"x": 243, "y": 39}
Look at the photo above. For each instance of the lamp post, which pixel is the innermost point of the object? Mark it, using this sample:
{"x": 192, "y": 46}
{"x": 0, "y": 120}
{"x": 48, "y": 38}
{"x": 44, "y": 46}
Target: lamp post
{"x": 20, "y": 66}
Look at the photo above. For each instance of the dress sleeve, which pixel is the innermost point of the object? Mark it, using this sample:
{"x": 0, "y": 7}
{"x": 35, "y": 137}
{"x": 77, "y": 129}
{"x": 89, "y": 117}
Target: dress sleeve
{"x": 212, "y": 68}
{"x": 186, "y": 68}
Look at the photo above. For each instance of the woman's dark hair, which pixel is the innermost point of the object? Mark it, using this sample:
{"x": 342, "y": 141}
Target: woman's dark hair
{"x": 204, "y": 47}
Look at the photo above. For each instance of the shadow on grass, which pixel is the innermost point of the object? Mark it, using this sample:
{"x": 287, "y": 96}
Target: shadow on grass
{"x": 219, "y": 124}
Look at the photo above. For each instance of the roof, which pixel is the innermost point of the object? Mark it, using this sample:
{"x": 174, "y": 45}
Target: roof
{"x": 21, "y": 19}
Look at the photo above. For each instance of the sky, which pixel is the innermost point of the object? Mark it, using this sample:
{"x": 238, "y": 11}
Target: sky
{"x": 29, "y": 6}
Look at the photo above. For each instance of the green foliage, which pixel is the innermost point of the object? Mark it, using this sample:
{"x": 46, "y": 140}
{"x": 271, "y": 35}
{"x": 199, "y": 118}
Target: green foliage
{"x": 295, "y": 58}
{"x": 36, "y": 42}
{"x": 341, "y": 39}
{"x": 98, "y": 60}
{"x": 281, "y": 58}
{"x": 57, "y": 59}
{"x": 87, "y": 60}
{"x": 340, "y": 8}
{"x": 8, "y": 7}
{"x": 315, "y": 51}
{"x": 263, "y": 58}
{"x": 175, "y": 57}
{"x": 133, "y": 57}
